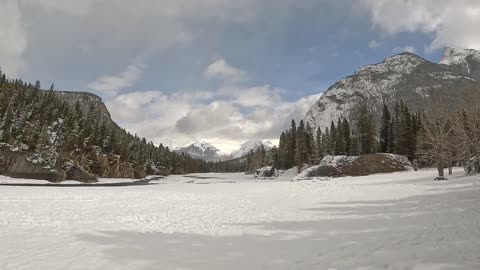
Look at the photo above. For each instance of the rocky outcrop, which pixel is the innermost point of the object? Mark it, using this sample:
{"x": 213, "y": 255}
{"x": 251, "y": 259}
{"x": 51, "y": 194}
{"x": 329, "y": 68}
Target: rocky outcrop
{"x": 15, "y": 164}
{"x": 108, "y": 165}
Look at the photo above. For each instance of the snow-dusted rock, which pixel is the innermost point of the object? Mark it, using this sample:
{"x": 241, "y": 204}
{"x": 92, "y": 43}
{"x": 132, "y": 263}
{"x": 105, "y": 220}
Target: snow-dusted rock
{"x": 265, "y": 172}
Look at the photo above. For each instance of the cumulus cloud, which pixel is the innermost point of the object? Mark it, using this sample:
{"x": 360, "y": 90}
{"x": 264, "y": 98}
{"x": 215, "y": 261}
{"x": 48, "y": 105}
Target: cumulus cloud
{"x": 110, "y": 85}
{"x": 185, "y": 116}
{"x": 70, "y": 7}
{"x": 406, "y": 48}
{"x": 222, "y": 70}
{"x": 13, "y": 39}
{"x": 212, "y": 116}
{"x": 374, "y": 44}
{"x": 256, "y": 96}
{"x": 453, "y": 23}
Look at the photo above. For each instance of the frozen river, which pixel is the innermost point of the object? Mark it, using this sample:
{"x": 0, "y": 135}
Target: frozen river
{"x": 231, "y": 221}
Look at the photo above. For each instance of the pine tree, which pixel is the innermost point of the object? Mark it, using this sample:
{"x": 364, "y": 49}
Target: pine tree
{"x": 384, "y": 130}
{"x": 3, "y": 80}
{"x": 282, "y": 151}
{"x": 292, "y": 145}
{"x": 7, "y": 125}
{"x": 346, "y": 135}
{"x": 340, "y": 140}
{"x": 319, "y": 144}
{"x": 365, "y": 122}
{"x": 333, "y": 138}
{"x": 326, "y": 142}
{"x": 309, "y": 142}
{"x": 396, "y": 129}
{"x": 301, "y": 150}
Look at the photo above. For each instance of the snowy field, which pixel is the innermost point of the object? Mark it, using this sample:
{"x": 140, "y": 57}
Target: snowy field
{"x": 231, "y": 221}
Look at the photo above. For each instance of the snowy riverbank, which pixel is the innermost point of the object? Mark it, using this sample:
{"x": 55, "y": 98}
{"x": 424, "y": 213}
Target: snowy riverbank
{"x": 232, "y": 221}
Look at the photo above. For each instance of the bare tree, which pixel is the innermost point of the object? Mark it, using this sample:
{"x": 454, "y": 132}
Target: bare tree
{"x": 437, "y": 142}
{"x": 467, "y": 122}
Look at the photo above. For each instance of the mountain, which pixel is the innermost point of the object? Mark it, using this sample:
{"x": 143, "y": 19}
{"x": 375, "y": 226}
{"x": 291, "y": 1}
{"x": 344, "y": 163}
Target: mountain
{"x": 201, "y": 150}
{"x": 248, "y": 146}
{"x": 403, "y": 76}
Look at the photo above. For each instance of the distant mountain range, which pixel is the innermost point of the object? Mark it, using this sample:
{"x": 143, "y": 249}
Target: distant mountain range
{"x": 403, "y": 76}
{"x": 206, "y": 151}
{"x": 201, "y": 150}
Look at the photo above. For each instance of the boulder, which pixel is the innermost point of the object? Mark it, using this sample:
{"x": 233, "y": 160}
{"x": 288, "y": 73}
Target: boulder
{"x": 77, "y": 173}
{"x": 265, "y": 172}
{"x": 139, "y": 173}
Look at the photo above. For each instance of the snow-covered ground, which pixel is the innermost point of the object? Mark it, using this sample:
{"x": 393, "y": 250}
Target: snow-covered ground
{"x": 232, "y": 221}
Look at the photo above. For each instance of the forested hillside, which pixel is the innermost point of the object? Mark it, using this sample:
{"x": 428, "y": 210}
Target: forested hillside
{"x": 63, "y": 129}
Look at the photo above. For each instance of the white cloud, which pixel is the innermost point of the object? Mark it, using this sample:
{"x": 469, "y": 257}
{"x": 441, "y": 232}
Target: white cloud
{"x": 406, "y": 48}
{"x": 185, "y": 116}
{"x": 257, "y": 96}
{"x": 222, "y": 70}
{"x": 110, "y": 85}
{"x": 453, "y": 23}
{"x": 13, "y": 39}
{"x": 69, "y": 7}
{"x": 374, "y": 44}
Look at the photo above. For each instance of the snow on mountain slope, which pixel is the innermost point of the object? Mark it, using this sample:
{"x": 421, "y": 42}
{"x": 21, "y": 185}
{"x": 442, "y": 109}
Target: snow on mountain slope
{"x": 466, "y": 61}
{"x": 201, "y": 149}
{"x": 251, "y": 145}
{"x": 403, "y": 76}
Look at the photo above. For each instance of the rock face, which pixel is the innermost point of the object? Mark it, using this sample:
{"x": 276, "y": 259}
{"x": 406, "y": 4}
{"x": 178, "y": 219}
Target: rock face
{"x": 338, "y": 166}
{"x": 88, "y": 99}
{"x": 404, "y": 76}
{"x": 15, "y": 164}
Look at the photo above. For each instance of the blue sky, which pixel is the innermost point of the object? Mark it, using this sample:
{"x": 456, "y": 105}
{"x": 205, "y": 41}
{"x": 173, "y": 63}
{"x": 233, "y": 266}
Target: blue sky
{"x": 223, "y": 71}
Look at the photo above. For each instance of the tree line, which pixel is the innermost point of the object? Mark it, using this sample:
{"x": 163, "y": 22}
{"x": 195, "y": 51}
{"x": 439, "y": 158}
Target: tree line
{"x": 361, "y": 135}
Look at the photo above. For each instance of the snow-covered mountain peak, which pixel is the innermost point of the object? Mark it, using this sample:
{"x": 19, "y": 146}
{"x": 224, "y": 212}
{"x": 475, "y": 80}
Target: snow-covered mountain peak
{"x": 202, "y": 145}
{"x": 250, "y": 145}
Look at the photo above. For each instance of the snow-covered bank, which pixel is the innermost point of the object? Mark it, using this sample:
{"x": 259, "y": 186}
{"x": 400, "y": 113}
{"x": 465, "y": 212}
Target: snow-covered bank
{"x": 232, "y": 221}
